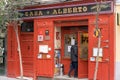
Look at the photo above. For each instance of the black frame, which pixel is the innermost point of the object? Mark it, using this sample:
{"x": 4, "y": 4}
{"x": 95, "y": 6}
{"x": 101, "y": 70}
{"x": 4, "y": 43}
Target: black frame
{"x": 27, "y": 27}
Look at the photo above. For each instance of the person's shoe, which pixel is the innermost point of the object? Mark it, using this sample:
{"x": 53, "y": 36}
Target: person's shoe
{"x": 75, "y": 76}
{"x": 69, "y": 75}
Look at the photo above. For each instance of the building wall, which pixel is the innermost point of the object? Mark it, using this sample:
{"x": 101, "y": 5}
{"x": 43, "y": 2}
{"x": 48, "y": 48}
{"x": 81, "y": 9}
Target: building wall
{"x": 117, "y": 70}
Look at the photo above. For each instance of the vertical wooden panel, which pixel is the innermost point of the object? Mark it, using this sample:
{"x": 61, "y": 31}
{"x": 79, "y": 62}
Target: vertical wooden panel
{"x": 12, "y": 54}
{"x": 82, "y": 62}
{"x": 44, "y": 65}
{"x": 104, "y": 64}
{"x": 27, "y": 53}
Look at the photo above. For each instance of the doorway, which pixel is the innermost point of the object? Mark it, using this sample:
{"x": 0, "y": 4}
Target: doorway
{"x": 68, "y": 35}
{"x": 27, "y": 54}
{"x": 2, "y": 56}
{"x": 26, "y": 39}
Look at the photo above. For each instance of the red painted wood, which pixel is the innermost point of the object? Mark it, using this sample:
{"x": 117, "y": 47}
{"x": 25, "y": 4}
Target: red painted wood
{"x": 44, "y": 66}
{"x": 12, "y": 55}
{"x": 112, "y": 46}
{"x": 82, "y": 64}
{"x": 104, "y": 65}
{"x": 65, "y": 60}
{"x": 27, "y": 53}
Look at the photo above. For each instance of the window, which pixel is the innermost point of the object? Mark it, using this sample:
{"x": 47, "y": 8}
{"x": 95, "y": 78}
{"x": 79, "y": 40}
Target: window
{"x": 69, "y": 40}
{"x": 27, "y": 27}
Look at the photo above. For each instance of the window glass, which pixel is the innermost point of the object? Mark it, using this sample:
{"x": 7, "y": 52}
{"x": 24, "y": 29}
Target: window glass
{"x": 84, "y": 46}
{"x": 27, "y": 27}
{"x": 69, "y": 40}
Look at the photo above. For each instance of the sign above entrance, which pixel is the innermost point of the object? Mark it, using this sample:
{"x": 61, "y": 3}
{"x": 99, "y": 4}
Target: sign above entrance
{"x": 68, "y": 10}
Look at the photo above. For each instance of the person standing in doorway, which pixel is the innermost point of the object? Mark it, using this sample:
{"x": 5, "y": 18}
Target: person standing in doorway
{"x": 74, "y": 60}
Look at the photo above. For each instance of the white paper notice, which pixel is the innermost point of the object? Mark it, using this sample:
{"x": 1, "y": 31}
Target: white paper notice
{"x": 95, "y": 50}
{"x": 39, "y": 56}
{"x": 72, "y": 41}
{"x": 43, "y": 48}
{"x": 69, "y": 48}
{"x": 92, "y": 59}
{"x": 48, "y": 56}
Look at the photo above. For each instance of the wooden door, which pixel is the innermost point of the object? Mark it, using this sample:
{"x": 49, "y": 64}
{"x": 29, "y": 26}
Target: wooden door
{"x": 27, "y": 54}
{"x": 82, "y": 54}
{"x": 69, "y": 34}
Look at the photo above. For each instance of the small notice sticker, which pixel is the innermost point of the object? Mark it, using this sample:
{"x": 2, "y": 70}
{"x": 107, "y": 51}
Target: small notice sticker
{"x": 92, "y": 58}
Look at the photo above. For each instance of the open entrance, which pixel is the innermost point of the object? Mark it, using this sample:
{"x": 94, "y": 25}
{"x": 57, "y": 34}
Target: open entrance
{"x": 67, "y": 33}
{"x": 2, "y": 56}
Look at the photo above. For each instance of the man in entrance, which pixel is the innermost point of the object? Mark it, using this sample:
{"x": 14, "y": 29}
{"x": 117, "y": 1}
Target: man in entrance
{"x": 74, "y": 60}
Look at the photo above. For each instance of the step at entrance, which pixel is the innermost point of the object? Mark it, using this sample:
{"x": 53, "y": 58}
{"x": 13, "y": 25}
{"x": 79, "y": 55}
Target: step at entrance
{"x": 65, "y": 77}
{"x": 25, "y": 78}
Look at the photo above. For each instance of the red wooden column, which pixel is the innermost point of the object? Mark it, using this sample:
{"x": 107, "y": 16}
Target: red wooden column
{"x": 106, "y": 63}
{"x": 112, "y": 46}
{"x": 12, "y": 54}
{"x": 44, "y": 38}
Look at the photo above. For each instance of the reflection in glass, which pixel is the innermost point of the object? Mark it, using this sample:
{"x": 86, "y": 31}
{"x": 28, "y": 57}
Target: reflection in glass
{"x": 84, "y": 46}
{"x": 69, "y": 40}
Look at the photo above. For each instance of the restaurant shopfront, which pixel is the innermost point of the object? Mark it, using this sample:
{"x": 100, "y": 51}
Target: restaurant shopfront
{"x": 49, "y": 31}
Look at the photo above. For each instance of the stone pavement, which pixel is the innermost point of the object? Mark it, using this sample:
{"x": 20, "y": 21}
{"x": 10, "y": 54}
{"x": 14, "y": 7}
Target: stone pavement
{"x": 6, "y": 78}
{"x": 55, "y": 78}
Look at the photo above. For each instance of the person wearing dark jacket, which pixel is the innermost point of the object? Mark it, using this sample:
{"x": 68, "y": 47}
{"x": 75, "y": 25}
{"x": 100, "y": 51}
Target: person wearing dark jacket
{"x": 74, "y": 60}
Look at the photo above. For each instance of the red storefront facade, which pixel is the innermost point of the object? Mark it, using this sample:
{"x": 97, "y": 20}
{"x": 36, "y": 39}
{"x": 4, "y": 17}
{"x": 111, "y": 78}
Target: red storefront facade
{"x": 55, "y": 28}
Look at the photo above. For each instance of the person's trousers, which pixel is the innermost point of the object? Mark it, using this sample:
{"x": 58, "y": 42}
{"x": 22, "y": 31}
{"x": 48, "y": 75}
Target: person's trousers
{"x": 73, "y": 66}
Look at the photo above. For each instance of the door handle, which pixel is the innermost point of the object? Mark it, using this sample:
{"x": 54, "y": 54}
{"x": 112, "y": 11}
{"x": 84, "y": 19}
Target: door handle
{"x": 106, "y": 60}
{"x": 28, "y": 47}
{"x": 106, "y": 41}
{"x": 106, "y": 46}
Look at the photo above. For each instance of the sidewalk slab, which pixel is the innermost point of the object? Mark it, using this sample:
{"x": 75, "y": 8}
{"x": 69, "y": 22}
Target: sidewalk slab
{"x": 18, "y": 78}
{"x": 7, "y": 78}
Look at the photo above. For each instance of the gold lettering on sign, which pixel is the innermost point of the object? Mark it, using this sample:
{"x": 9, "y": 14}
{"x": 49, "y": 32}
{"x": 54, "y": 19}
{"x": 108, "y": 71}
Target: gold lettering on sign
{"x": 69, "y": 10}
{"x": 75, "y": 10}
{"x": 54, "y": 12}
{"x": 84, "y": 9}
{"x": 79, "y": 9}
{"x": 35, "y": 13}
{"x": 26, "y": 14}
{"x": 40, "y": 13}
{"x": 65, "y": 10}
{"x": 57, "y": 11}
{"x": 31, "y": 14}
{"x": 60, "y": 11}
